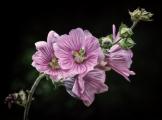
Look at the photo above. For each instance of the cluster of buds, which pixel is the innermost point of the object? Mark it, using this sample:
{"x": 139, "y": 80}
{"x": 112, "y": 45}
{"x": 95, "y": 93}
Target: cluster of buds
{"x": 19, "y": 98}
{"x": 125, "y": 36}
{"x": 140, "y": 15}
{"x": 123, "y": 39}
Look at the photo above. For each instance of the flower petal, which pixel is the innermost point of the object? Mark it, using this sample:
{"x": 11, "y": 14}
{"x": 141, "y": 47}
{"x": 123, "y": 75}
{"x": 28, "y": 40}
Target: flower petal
{"x": 91, "y": 61}
{"x": 77, "y": 38}
{"x": 44, "y": 49}
{"x": 78, "y": 68}
{"x": 88, "y": 84}
{"x": 78, "y": 87}
{"x": 94, "y": 84}
{"x": 114, "y": 31}
{"x": 120, "y": 61}
{"x": 87, "y": 33}
{"x": 92, "y": 45}
{"x": 52, "y": 37}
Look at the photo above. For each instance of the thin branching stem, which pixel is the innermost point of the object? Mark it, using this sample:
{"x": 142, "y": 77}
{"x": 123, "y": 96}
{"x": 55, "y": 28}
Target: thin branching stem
{"x": 30, "y": 95}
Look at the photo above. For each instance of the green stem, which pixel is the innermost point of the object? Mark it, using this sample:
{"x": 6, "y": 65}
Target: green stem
{"x": 133, "y": 25}
{"x": 31, "y": 92}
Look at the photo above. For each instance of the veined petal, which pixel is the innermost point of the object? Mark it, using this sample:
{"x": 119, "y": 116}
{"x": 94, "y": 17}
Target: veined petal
{"x": 77, "y": 38}
{"x": 52, "y": 37}
{"x": 44, "y": 49}
{"x": 78, "y": 87}
{"x": 92, "y": 45}
{"x": 40, "y": 44}
{"x": 91, "y": 61}
{"x": 40, "y": 58}
{"x": 78, "y": 68}
{"x": 101, "y": 56}
{"x": 120, "y": 61}
{"x": 88, "y": 84}
{"x": 87, "y": 33}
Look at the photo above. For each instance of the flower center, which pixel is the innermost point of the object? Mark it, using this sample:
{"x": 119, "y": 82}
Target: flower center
{"x": 54, "y": 63}
{"x": 79, "y": 56}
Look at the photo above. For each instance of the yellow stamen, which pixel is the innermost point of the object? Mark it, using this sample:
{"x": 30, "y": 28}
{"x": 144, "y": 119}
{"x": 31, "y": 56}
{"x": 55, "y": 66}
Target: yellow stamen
{"x": 54, "y": 63}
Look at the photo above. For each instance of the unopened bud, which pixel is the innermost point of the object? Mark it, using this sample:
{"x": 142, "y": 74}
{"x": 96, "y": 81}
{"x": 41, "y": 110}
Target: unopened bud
{"x": 125, "y": 32}
{"x": 140, "y": 14}
{"x": 19, "y": 98}
{"x": 127, "y": 43}
{"x": 106, "y": 42}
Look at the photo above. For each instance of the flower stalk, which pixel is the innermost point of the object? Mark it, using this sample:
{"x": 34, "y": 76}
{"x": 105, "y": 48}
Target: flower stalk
{"x": 31, "y": 92}
{"x": 133, "y": 25}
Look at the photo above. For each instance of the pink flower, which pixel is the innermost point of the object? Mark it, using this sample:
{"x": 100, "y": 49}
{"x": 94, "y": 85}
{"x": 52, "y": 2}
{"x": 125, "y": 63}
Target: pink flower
{"x": 120, "y": 60}
{"x": 77, "y": 51}
{"x": 85, "y": 86}
{"x": 102, "y": 64}
{"x": 44, "y": 60}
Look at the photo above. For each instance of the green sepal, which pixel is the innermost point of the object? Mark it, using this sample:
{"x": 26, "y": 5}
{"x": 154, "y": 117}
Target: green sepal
{"x": 126, "y": 43}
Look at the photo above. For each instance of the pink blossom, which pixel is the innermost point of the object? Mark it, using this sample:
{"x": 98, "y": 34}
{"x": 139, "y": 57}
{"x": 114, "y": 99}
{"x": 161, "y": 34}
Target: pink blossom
{"x": 120, "y": 60}
{"x": 44, "y": 60}
{"x": 85, "y": 86}
{"x": 77, "y": 51}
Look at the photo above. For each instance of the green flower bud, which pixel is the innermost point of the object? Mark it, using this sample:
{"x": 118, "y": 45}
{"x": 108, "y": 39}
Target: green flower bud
{"x": 140, "y": 14}
{"x": 106, "y": 42}
{"x": 125, "y": 31}
{"x": 126, "y": 43}
{"x": 21, "y": 98}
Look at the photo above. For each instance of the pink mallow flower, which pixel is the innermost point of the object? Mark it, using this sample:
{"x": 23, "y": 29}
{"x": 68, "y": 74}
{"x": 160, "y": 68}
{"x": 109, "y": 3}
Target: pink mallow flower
{"x": 77, "y": 51}
{"x": 119, "y": 59}
{"x": 85, "y": 86}
{"x": 44, "y": 60}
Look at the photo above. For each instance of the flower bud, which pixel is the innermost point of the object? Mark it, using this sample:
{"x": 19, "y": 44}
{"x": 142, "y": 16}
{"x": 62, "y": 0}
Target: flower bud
{"x": 106, "y": 42}
{"x": 140, "y": 14}
{"x": 19, "y": 98}
{"x": 125, "y": 32}
{"x": 126, "y": 43}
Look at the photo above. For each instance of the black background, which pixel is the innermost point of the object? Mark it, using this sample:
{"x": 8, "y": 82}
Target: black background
{"x": 23, "y": 25}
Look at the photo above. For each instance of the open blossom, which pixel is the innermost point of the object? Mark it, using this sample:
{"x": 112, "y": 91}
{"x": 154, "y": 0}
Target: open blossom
{"x": 77, "y": 51}
{"x": 44, "y": 60}
{"x": 85, "y": 86}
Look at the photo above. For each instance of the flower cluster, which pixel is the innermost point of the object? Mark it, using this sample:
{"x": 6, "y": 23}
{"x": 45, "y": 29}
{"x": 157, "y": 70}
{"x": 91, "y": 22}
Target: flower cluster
{"x": 79, "y": 61}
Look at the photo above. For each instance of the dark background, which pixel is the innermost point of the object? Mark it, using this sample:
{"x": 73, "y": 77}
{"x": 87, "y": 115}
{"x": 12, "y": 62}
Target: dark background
{"x": 25, "y": 23}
